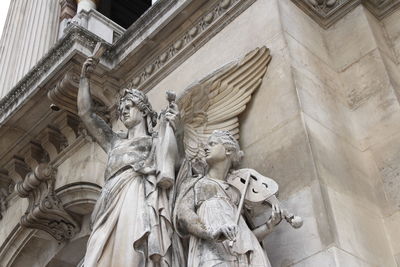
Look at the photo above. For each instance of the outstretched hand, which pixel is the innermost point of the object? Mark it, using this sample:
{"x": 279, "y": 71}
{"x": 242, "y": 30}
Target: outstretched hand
{"x": 88, "y": 67}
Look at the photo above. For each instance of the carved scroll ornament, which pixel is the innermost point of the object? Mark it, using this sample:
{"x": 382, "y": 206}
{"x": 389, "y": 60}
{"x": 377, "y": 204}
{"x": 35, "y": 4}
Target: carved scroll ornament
{"x": 45, "y": 211}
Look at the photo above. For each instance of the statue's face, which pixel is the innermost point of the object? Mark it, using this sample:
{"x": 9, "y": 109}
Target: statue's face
{"x": 130, "y": 114}
{"x": 215, "y": 151}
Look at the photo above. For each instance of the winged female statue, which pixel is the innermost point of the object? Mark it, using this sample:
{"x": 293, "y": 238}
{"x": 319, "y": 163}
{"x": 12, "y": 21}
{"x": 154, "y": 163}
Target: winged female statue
{"x": 210, "y": 194}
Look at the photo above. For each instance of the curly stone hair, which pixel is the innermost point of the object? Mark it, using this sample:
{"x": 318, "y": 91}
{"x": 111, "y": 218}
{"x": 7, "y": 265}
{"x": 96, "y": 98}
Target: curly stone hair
{"x": 231, "y": 144}
{"x": 142, "y": 103}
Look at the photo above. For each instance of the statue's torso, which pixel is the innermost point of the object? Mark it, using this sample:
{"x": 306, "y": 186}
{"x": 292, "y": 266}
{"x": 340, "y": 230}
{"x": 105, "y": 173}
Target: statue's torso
{"x": 207, "y": 189}
{"x": 128, "y": 153}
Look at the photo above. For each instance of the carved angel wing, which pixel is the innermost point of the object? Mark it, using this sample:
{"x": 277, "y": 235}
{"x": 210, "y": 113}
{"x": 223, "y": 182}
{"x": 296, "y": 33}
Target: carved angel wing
{"x": 215, "y": 102}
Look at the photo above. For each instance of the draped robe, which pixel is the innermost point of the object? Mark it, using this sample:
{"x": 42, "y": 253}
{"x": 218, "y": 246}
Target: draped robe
{"x": 131, "y": 224}
{"x": 215, "y": 203}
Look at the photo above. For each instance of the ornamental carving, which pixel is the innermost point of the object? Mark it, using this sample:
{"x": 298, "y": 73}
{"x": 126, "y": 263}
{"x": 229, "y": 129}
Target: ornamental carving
{"x": 49, "y": 148}
{"x": 190, "y": 38}
{"x": 326, "y": 12}
{"x": 45, "y": 211}
{"x": 381, "y": 8}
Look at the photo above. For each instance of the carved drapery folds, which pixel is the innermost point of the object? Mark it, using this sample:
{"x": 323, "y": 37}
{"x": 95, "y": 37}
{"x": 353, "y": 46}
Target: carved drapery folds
{"x": 327, "y": 12}
{"x": 45, "y": 210}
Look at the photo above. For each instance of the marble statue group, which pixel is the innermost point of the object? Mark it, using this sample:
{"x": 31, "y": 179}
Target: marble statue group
{"x": 173, "y": 194}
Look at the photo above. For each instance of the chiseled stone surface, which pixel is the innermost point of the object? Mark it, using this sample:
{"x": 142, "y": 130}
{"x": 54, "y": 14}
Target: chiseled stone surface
{"x": 353, "y": 220}
{"x": 324, "y": 124}
{"x": 332, "y": 257}
{"x": 315, "y": 231}
{"x": 359, "y": 39}
{"x": 392, "y": 28}
{"x": 387, "y": 158}
{"x": 86, "y": 164}
{"x": 392, "y": 228}
{"x": 11, "y": 217}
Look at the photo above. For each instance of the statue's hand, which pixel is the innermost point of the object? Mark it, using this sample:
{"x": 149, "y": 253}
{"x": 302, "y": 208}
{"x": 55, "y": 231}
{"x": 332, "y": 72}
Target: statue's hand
{"x": 225, "y": 232}
{"x": 276, "y": 216}
{"x": 172, "y": 115}
{"x": 88, "y": 67}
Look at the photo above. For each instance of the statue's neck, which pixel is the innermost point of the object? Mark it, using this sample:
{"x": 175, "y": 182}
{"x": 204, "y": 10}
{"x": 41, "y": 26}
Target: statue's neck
{"x": 219, "y": 170}
{"x": 139, "y": 130}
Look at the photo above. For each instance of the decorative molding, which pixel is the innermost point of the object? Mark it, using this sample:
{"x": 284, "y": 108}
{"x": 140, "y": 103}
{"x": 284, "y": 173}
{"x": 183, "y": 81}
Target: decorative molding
{"x": 64, "y": 96}
{"x": 45, "y": 211}
{"x": 157, "y": 10}
{"x": 3, "y": 201}
{"x": 186, "y": 44}
{"x": 64, "y": 93}
{"x": 52, "y": 145}
{"x": 77, "y": 35}
{"x": 381, "y": 8}
{"x": 28, "y": 85}
{"x": 68, "y": 9}
{"x": 17, "y": 169}
{"x": 76, "y": 194}
{"x": 326, "y": 12}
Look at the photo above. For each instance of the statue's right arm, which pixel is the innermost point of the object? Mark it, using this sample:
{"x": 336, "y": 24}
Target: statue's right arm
{"x": 96, "y": 126}
{"x": 188, "y": 220}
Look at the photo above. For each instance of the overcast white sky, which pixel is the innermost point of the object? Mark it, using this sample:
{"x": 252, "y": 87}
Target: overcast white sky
{"x": 4, "y": 4}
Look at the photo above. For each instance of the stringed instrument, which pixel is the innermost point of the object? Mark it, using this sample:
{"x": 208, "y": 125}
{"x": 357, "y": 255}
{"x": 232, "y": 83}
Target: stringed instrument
{"x": 257, "y": 189}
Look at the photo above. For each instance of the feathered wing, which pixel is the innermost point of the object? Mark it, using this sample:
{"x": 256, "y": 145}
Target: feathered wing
{"x": 215, "y": 102}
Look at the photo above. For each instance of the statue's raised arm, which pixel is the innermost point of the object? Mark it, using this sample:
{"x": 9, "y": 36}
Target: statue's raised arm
{"x": 131, "y": 222}
{"x": 97, "y": 127}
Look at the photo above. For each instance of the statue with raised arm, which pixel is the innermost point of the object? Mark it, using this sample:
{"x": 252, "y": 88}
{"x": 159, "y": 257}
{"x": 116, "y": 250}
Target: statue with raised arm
{"x": 131, "y": 221}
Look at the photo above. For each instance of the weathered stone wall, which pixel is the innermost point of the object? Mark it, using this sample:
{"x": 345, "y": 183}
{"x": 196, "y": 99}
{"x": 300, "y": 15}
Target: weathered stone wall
{"x": 324, "y": 123}
{"x": 328, "y": 99}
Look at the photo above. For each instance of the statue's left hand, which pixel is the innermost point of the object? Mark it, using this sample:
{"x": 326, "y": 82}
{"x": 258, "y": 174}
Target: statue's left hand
{"x": 276, "y": 216}
{"x": 172, "y": 115}
{"x": 88, "y": 67}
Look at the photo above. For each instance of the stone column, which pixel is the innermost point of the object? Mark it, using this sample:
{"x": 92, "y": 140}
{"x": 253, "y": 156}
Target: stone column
{"x": 30, "y": 31}
{"x": 86, "y": 5}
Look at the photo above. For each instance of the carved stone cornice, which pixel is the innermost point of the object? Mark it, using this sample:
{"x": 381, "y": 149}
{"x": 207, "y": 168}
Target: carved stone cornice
{"x": 381, "y": 8}
{"x": 78, "y": 37}
{"x": 68, "y": 9}
{"x": 52, "y": 145}
{"x": 64, "y": 96}
{"x": 29, "y": 83}
{"x": 45, "y": 211}
{"x": 203, "y": 29}
{"x": 326, "y": 12}
{"x": 5, "y": 190}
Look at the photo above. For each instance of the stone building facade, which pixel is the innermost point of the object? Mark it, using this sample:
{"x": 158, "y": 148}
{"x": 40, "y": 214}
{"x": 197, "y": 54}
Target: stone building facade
{"x": 325, "y": 122}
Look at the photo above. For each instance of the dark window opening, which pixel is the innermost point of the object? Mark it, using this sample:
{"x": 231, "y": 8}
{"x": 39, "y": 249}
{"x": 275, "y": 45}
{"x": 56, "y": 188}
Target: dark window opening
{"x": 124, "y": 12}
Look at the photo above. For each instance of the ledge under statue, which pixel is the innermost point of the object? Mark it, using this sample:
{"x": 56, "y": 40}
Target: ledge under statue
{"x": 172, "y": 195}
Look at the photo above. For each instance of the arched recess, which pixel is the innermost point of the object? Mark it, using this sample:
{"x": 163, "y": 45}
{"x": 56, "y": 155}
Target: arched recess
{"x": 34, "y": 248}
